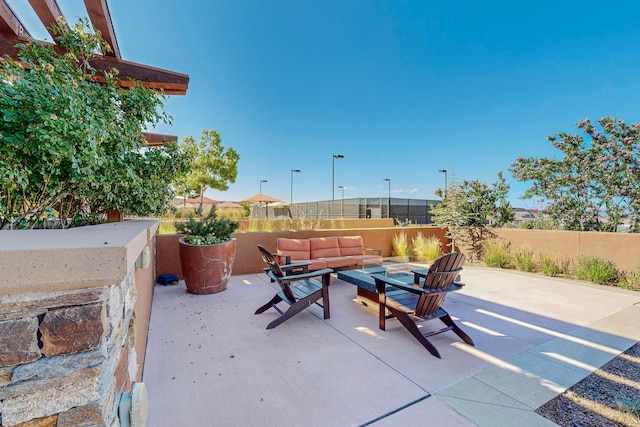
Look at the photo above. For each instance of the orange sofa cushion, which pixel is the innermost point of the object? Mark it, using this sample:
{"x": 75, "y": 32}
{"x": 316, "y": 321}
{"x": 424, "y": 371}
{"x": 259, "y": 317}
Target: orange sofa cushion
{"x": 351, "y": 245}
{"x": 324, "y": 247}
{"x": 297, "y": 249}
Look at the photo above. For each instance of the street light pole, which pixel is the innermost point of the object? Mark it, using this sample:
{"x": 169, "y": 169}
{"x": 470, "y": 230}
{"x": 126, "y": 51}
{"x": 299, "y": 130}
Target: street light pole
{"x": 388, "y": 198}
{"x": 292, "y": 172}
{"x": 261, "y": 181}
{"x": 333, "y": 173}
{"x": 444, "y": 171}
{"x": 341, "y": 187}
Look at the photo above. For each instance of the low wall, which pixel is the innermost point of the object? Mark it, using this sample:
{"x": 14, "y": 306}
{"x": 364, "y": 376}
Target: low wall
{"x": 623, "y": 249}
{"x": 74, "y": 315}
{"x": 248, "y": 258}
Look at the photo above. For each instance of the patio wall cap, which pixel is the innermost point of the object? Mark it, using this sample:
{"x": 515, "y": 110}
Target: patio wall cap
{"x": 83, "y": 257}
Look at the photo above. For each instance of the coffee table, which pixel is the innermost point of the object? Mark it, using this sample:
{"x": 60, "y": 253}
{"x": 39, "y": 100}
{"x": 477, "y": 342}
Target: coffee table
{"x": 399, "y": 268}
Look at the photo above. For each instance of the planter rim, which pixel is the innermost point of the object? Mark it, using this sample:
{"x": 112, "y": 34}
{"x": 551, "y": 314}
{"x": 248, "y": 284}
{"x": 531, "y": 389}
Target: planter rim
{"x": 182, "y": 242}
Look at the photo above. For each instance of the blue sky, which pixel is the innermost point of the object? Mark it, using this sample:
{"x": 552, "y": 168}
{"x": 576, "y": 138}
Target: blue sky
{"x": 400, "y": 88}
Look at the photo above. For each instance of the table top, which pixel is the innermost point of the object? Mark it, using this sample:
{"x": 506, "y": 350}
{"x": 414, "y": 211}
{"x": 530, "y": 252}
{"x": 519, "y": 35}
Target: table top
{"x": 362, "y": 277}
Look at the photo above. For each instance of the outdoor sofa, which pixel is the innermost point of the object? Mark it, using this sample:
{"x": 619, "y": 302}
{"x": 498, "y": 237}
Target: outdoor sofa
{"x": 336, "y": 252}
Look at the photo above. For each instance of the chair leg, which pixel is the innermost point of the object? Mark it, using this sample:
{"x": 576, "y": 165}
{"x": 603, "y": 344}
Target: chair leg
{"x": 411, "y": 326}
{"x": 295, "y": 308}
{"x": 455, "y": 328}
{"x": 325, "y": 295}
{"x": 275, "y": 300}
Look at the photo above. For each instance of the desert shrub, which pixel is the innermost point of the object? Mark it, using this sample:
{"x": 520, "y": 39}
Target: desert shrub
{"x": 523, "y": 258}
{"x": 549, "y": 266}
{"x": 166, "y": 227}
{"x": 267, "y": 224}
{"x": 630, "y": 279}
{"x": 426, "y": 248}
{"x": 400, "y": 244}
{"x": 595, "y": 269}
{"x": 496, "y": 253}
{"x": 253, "y": 225}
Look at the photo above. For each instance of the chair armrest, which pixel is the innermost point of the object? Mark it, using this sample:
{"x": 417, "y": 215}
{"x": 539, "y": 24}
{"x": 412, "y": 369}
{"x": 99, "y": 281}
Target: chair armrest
{"x": 378, "y": 250}
{"x": 288, "y": 269}
{"x": 381, "y": 281}
{"x": 295, "y": 277}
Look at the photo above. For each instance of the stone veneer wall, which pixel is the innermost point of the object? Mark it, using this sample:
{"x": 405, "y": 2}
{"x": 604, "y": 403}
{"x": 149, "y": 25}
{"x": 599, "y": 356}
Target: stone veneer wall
{"x": 66, "y": 355}
{"x": 67, "y": 351}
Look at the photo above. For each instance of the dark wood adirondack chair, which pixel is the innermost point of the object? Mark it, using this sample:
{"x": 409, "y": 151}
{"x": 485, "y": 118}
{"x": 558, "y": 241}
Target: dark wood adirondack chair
{"x": 422, "y": 300}
{"x": 299, "y": 290}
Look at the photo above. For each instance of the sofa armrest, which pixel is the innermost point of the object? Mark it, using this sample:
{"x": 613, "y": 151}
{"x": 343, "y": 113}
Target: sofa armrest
{"x": 377, "y": 250}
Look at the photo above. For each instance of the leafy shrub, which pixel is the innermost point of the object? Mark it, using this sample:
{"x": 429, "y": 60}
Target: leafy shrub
{"x": 549, "y": 266}
{"x": 523, "y": 259}
{"x": 426, "y": 248}
{"x": 206, "y": 231}
{"x": 74, "y": 147}
{"x": 400, "y": 244}
{"x": 630, "y": 279}
{"x": 595, "y": 269}
{"x": 496, "y": 253}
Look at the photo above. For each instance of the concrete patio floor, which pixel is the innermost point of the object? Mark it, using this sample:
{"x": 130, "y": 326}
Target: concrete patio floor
{"x": 211, "y": 362}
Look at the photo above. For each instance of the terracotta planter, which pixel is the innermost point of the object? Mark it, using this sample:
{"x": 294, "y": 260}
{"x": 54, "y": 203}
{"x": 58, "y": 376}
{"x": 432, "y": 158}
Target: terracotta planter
{"x": 207, "y": 268}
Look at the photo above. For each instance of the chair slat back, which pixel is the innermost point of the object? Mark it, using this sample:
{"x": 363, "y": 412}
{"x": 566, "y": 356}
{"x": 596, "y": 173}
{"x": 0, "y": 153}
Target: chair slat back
{"x": 272, "y": 261}
{"x": 442, "y": 273}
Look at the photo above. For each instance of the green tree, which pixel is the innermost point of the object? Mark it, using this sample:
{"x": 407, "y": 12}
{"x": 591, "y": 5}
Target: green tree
{"x": 71, "y": 148}
{"x": 595, "y": 185}
{"x": 469, "y": 209}
{"x": 210, "y": 165}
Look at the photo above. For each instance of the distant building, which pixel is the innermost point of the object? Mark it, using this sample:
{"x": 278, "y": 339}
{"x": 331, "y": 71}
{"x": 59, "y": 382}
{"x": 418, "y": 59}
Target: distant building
{"x": 521, "y": 215}
{"x": 181, "y": 202}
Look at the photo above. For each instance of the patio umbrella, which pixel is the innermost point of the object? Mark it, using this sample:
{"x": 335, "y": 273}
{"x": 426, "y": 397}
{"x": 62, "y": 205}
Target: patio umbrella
{"x": 263, "y": 198}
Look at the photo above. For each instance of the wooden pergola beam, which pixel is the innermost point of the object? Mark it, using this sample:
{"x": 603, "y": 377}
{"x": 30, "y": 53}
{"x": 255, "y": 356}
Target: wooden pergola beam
{"x": 171, "y": 82}
{"x": 10, "y": 24}
{"x": 100, "y": 17}
{"x": 48, "y": 11}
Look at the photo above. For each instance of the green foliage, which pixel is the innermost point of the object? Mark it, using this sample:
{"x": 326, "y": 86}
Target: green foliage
{"x": 595, "y": 185}
{"x": 73, "y": 147}
{"x": 496, "y": 253}
{"x": 207, "y": 230}
{"x": 595, "y": 269}
{"x": 469, "y": 205}
{"x": 247, "y": 208}
{"x": 210, "y": 166}
{"x": 523, "y": 259}
{"x": 549, "y": 266}
{"x": 400, "y": 244}
{"x": 426, "y": 248}
{"x": 630, "y": 279}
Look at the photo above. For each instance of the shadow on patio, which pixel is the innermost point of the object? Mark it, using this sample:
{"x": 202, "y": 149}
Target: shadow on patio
{"x": 211, "y": 362}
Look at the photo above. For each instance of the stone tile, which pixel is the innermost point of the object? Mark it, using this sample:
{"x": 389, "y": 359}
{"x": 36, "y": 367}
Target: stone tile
{"x": 19, "y": 341}
{"x": 72, "y": 330}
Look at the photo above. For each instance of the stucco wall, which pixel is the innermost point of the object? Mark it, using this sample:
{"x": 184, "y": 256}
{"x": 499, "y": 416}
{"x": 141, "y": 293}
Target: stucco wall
{"x": 623, "y": 249}
{"x": 248, "y": 258}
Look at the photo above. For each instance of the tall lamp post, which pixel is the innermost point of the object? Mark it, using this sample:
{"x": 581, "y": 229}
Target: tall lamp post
{"x": 333, "y": 173}
{"x": 444, "y": 171}
{"x": 261, "y": 181}
{"x": 388, "y": 197}
{"x": 341, "y": 187}
{"x": 292, "y": 172}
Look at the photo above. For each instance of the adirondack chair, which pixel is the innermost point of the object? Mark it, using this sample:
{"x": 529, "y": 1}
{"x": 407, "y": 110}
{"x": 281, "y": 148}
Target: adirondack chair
{"x": 297, "y": 290}
{"x": 422, "y": 301}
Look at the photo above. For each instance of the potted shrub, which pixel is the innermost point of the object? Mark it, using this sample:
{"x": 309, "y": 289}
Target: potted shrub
{"x": 207, "y": 252}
